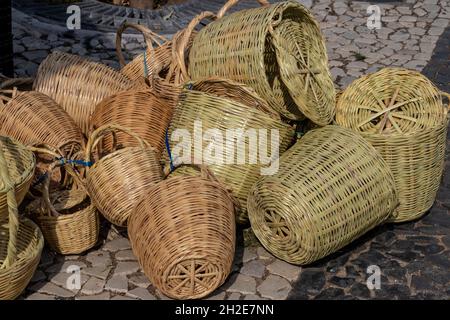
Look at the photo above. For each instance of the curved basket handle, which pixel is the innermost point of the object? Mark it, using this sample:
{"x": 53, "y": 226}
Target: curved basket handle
{"x": 231, "y": 3}
{"x": 44, "y": 149}
{"x": 4, "y": 94}
{"x": 15, "y": 82}
{"x": 181, "y": 41}
{"x": 13, "y": 213}
{"x": 98, "y": 135}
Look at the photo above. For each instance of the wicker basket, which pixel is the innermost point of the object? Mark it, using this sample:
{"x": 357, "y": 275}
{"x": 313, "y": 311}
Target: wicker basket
{"x": 400, "y": 112}
{"x": 78, "y": 84}
{"x": 277, "y": 50}
{"x": 21, "y": 163}
{"x": 185, "y": 240}
{"x": 331, "y": 188}
{"x": 70, "y": 226}
{"x": 21, "y": 241}
{"x": 116, "y": 181}
{"x": 140, "y": 110}
{"x": 222, "y": 110}
{"x": 32, "y": 117}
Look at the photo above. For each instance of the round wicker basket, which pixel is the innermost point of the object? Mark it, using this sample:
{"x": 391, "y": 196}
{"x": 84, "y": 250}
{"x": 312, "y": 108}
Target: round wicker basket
{"x": 400, "y": 112}
{"x": 331, "y": 188}
{"x": 185, "y": 240}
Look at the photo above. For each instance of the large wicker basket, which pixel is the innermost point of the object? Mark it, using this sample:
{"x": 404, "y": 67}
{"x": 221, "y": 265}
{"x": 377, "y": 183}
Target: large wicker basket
{"x": 183, "y": 233}
{"x": 117, "y": 180}
{"x": 78, "y": 84}
{"x": 69, "y": 222}
{"x": 278, "y": 50}
{"x": 141, "y": 110}
{"x": 33, "y": 118}
{"x": 21, "y": 241}
{"x": 225, "y": 106}
{"x": 331, "y": 188}
{"x": 400, "y": 112}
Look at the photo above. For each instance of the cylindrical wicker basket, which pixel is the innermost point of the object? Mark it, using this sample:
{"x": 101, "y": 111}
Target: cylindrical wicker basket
{"x": 183, "y": 233}
{"x": 278, "y": 50}
{"x": 21, "y": 241}
{"x": 231, "y": 109}
{"x": 33, "y": 117}
{"x": 331, "y": 188}
{"x": 70, "y": 223}
{"x": 141, "y": 110}
{"x": 400, "y": 112}
{"x": 78, "y": 84}
{"x": 116, "y": 181}
{"x": 21, "y": 163}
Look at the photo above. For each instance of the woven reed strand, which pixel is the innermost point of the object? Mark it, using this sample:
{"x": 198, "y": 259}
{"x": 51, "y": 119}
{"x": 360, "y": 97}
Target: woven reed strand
{"x": 416, "y": 153}
{"x": 183, "y": 233}
{"x": 78, "y": 84}
{"x": 331, "y": 188}
{"x": 33, "y": 117}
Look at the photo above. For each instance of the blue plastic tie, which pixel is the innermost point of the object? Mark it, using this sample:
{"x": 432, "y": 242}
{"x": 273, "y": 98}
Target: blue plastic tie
{"x": 168, "y": 150}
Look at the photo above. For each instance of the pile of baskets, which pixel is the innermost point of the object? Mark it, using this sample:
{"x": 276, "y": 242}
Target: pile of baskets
{"x": 198, "y": 134}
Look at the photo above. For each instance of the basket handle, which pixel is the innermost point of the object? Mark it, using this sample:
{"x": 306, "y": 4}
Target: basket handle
{"x": 180, "y": 44}
{"x": 15, "y": 82}
{"x": 4, "y": 94}
{"x": 231, "y": 3}
{"x": 150, "y": 37}
{"x": 98, "y": 134}
{"x": 46, "y": 187}
{"x": 13, "y": 213}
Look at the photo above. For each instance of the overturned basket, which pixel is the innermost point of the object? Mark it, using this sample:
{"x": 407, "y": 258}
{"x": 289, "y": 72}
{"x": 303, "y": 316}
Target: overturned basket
{"x": 68, "y": 220}
{"x": 278, "y": 50}
{"x": 21, "y": 241}
{"x": 325, "y": 195}
{"x": 33, "y": 117}
{"x": 117, "y": 180}
{"x": 185, "y": 240}
{"x": 227, "y": 108}
{"x": 78, "y": 84}
{"x": 400, "y": 112}
{"x": 140, "y": 110}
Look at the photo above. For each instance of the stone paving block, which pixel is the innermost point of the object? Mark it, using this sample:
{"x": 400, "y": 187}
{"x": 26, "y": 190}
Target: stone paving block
{"x": 117, "y": 284}
{"x": 52, "y": 289}
{"x": 60, "y": 279}
{"x": 93, "y": 286}
{"x": 253, "y": 297}
{"x": 234, "y": 296}
{"x": 126, "y": 268}
{"x": 125, "y": 255}
{"x": 284, "y": 269}
{"x": 40, "y": 296}
{"x": 255, "y": 268}
{"x": 117, "y": 245}
{"x": 141, "y": 293}
{"x": 64, "y": 266}
{"x": 99, "y": 258}
{"x": 101, "y": 296}
{"x": 98, "y": 272}
{"x": 242, "y": 284}
{"x": 139, "y": 280}
{"x": 217, "y": 296}
{"x": 275, "y": 288}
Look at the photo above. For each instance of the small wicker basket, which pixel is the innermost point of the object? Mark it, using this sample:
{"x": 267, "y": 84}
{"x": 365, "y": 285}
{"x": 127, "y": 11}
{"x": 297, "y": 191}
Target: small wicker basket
{"x": 116, "y": 181}
{"x": 400, "y": 112}
{"x": 183, "y": 233}
{"x": 78, "y": 84}
{"x": 331, "y": 188}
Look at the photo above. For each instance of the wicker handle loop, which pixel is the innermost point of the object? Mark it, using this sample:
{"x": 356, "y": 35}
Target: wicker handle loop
{"x": 44, "y": 149}
{"x": 98, "y": 135}
{"x": 231, "y": 3}
{"x": 8, "y": 95}
{"x": 13, "y": 216}
{"x": 150, "y": 37}
{"x": 15, "y": 82}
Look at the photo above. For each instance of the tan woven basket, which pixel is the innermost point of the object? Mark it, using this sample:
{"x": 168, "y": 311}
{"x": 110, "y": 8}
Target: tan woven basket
{"x": 21, "y": 163}
{"x": 21, "y": 241}
{"x": 185, "y": 240}
{"x": 66, "y": 229}
{"x": 400, "y": 112}
{"x": 116, "y": 181}
{"x": 278, "y": 50}
{"x": 141, "y": 110}
{"x": 230, "y": 107}
{"x": 32, "y": 117}
{"x": 331, "y": 188}
{"x": 78, "y": 84}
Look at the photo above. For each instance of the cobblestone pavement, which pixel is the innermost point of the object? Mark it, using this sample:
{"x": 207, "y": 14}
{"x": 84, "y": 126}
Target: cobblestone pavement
{"x": 414, "y": 257}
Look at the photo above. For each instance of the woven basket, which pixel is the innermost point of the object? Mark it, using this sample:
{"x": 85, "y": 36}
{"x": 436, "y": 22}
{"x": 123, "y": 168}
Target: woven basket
{"x": 116, "y": 181}
{"x": 278, "y": 50}
{"x": 219, "y": 111}
{"x": 78, "y": 84}
{"x": 400, "y": 112}
{"x": 331, "y": 188}
{"x": 21, "y": 163}
{"x": 32, "y": 117}
{"x": 185, "y": 240}
{"x": 66, "y": 229}
{"x": 140, "y": 110}
{"x": 21, "y": 241}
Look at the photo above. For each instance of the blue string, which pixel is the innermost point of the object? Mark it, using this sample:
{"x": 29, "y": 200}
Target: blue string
{"x": 74, "y": 161}
{"x": 145, "y": 65}
{"x": 168, "y": 150}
